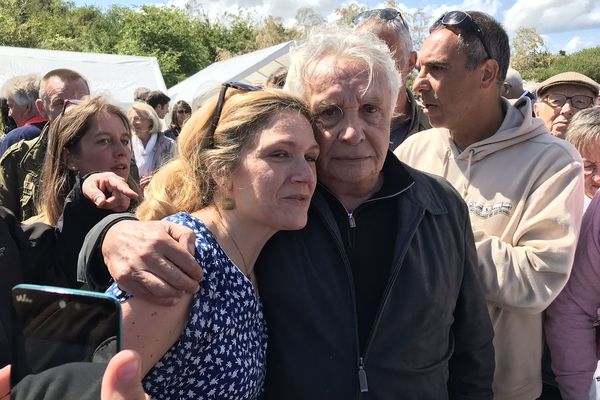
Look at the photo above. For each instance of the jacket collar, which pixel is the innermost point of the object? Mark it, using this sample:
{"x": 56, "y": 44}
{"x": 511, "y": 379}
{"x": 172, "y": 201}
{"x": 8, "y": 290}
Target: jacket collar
{"x": 399, "y": 180}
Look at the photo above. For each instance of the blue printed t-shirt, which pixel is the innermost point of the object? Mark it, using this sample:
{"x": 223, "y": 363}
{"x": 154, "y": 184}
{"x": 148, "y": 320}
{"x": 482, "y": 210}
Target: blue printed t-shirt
{"x": 221, "y": 351}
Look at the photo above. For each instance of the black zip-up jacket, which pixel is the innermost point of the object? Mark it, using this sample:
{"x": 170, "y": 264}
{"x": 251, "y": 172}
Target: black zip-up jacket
{"x": 431, "y": 337}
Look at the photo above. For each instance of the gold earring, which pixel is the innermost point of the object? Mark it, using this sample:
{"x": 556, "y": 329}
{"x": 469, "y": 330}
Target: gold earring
{"x": 228, "y": 203}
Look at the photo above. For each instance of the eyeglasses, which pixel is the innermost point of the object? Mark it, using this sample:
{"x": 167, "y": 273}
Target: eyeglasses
{"x": 386, "y": 14}
{"x": 464, "y": 22}
{"x": 235, "y": 85}
{"x": 590, "y": 168}
{"x": 67, "y": 103}
{"x": 578, "y": 101}
{"x": 180, "y": 111}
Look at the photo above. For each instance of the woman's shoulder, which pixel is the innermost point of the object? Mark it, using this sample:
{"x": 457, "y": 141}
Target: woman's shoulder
{"x": 205, "y": 241}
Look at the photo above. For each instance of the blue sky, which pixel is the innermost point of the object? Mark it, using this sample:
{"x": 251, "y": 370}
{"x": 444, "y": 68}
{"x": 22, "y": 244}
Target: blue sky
{"x": 568, "y": 25}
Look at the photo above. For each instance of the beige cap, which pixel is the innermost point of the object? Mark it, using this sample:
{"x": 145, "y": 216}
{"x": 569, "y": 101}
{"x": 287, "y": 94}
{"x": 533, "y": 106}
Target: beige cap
{"x": 569, "y": 78}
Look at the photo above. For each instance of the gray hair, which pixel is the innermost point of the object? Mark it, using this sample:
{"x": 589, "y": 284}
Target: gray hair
{"x": 513, "y": 77}
{"x": 584, "y": 128}
{"x": 363, "y": 47}
{"x": 147, "y": 111}
{"x": 22, "y": 89}
{"x": 378, "y": 26}
{"x": 495, "y": 38}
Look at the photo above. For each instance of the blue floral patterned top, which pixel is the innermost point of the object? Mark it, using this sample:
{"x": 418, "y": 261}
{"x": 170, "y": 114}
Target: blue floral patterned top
{"x": 221, "y": 351}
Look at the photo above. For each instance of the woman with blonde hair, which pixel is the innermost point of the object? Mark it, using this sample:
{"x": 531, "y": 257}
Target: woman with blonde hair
{"x": 89, "y": 136}
{"x": 245, "y": 169}
{"x": 151, "y": 148}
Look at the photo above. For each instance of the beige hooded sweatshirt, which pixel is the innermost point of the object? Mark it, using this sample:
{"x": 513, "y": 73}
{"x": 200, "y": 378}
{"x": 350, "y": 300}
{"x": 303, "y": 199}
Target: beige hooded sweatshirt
{"x": 524, "y": 189}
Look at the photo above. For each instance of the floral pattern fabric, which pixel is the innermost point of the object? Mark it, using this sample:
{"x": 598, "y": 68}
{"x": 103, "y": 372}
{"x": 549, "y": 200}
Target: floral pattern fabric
{"x": 221, "y": 351}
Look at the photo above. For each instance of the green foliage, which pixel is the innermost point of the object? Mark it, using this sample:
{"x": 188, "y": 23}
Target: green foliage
{"x": 586, "y": 61}
{"x": 183, "y": 41}
{"x": 347, "y": 14}
{"x": 165, "y": 33}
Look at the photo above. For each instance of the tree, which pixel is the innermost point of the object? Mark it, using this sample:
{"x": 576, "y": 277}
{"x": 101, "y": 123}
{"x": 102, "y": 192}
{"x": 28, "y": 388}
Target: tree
{"x": 529, "y": 53}
{"x": 586, "y": 61}
{"x": 347, "y": 14}
{"x": 307, "y": 19}
{"x": 273, "y": 32}
{"x": 418, "y": 23}
{"x": 167, "y": 34}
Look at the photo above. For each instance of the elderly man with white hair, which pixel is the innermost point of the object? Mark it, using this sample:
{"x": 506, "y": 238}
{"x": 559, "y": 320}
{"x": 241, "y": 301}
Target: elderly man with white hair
{"x": 20, "y": 93}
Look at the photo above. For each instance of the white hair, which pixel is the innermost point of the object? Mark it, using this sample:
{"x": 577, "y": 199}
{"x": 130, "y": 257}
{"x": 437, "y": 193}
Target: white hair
{"x": 342, "y": 44}
{"x": 22, "y": 89}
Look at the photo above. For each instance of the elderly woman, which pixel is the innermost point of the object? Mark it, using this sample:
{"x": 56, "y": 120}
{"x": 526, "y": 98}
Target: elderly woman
{"x": 151, "y": 149}
{"x": 569, "y": 323}
{"x": 570, "y": 319}
{"x": 584, "y": 133}
{"x": 245, "y": 170}
{"x": 179, "y": 116}
{"x": 90, "y": 136}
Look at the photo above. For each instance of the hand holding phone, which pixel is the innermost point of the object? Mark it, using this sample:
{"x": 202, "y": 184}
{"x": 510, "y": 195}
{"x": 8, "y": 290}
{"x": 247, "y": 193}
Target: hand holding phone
{"x": 54, "y": 326}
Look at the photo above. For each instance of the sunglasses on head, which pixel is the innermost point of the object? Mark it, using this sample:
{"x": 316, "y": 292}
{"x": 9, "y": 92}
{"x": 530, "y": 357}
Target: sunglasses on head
{"x": 386, "y": 14}
{"x": 463, "y": 21}
{"x": 221, "y": 101}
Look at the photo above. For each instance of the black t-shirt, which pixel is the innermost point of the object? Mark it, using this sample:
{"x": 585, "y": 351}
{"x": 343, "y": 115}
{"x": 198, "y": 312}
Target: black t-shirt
{"x": 369, "y": 246}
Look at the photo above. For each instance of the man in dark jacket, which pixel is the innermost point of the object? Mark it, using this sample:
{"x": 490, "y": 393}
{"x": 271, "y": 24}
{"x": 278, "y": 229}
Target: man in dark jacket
{"x": 381, "y": 282}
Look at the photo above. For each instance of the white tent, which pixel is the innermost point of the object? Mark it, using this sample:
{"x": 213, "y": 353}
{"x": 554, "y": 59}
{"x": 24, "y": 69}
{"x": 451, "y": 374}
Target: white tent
{"x": 114, "y": 76}
{"x": 250, "y": 68}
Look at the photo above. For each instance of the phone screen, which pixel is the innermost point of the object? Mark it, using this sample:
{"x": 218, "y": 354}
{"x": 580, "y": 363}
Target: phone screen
{"x": 55, "y": 326}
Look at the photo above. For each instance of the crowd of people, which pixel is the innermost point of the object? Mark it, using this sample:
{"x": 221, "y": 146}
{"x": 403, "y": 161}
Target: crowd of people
{"x": 328, "y": 234}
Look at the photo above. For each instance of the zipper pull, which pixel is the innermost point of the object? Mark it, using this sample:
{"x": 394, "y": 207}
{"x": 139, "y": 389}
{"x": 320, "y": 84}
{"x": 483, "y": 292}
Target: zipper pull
{"x": 362, "y": 376}
{"x": 351, "y": 220}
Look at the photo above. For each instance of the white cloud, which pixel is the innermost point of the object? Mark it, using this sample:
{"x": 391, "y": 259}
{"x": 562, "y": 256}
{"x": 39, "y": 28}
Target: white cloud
{"x": 490, "y": 7}
{"x": 577, "y": 43}
{"x": 550, "y": 16}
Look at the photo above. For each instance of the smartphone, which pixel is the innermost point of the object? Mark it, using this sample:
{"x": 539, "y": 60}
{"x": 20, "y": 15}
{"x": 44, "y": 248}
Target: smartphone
{"x": 53, "y": 326}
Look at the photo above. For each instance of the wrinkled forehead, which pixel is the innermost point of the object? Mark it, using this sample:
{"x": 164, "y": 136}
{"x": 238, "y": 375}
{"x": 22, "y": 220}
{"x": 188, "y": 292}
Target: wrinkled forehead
{"x": 66, "y": 89}
{"x": 332, "y": 80}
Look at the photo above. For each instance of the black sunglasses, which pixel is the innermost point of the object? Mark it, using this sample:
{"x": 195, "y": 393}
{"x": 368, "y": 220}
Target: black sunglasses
{"x": 386, "y": 14}
{"x": 464, "y": 22}
{"x": 235, "y": 85}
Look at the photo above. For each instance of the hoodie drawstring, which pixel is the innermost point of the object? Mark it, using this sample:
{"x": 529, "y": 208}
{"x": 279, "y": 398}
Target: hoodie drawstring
{"x": 446, "y": 162}
{"x": 468, "y": 174}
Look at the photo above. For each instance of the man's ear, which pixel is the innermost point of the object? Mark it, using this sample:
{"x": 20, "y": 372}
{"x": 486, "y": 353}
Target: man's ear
{"x": 412, "y": 61}
{"x": 39, "y": 104}
{"x": 489, "y": 75}
{"x": 505, "y": 88}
